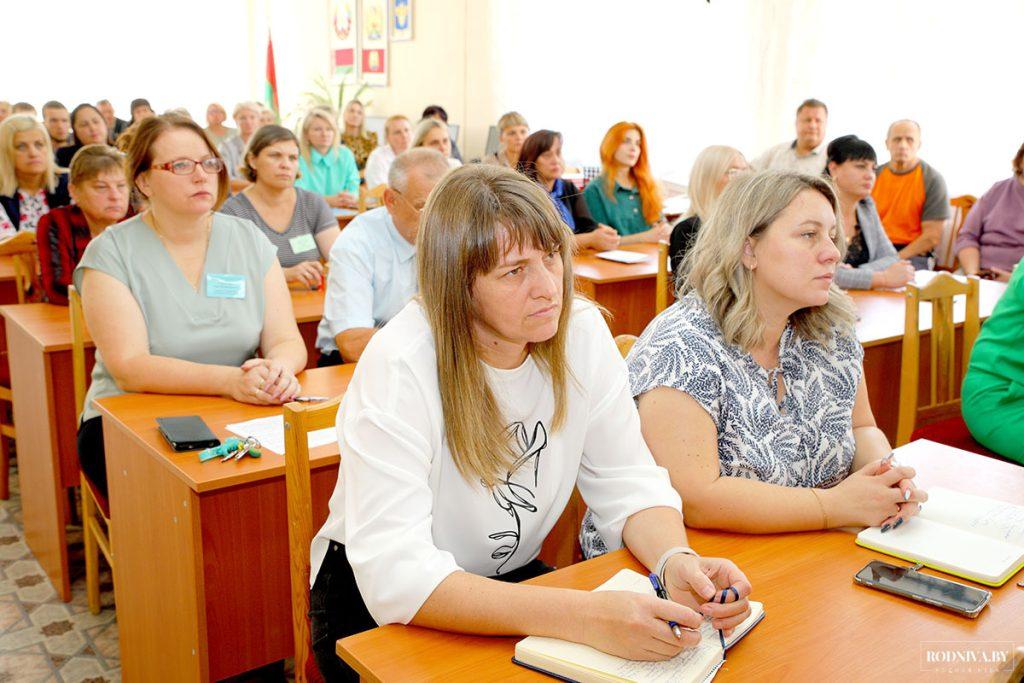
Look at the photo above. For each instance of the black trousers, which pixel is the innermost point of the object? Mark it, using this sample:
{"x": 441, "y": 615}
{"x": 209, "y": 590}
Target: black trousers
{"x": 91, "y": 455}
{"x": 326, "y": 360}
{"x": 336, "y": 609}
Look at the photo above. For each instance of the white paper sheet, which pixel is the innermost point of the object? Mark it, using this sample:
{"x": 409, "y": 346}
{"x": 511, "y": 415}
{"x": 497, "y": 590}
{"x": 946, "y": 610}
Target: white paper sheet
{"x": 622, "y": 256}
{"x": 270, "y": 433}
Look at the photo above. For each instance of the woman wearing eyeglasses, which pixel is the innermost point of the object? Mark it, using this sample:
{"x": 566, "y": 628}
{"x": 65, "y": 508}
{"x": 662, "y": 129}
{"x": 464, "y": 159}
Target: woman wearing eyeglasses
{"x": 179, "y": 299}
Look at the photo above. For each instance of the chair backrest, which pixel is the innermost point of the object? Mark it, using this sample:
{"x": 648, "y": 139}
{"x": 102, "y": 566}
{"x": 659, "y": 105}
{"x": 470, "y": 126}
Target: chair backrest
{"x": 375, "y": 193}
{"x": 22, "y": 247}
{"x": 945, "y": 257}
{"x": 942, "y": 401}
{"x": 661, "y": 283}
{"x": 77, "y": 347}
{"x": 299, "y": 420}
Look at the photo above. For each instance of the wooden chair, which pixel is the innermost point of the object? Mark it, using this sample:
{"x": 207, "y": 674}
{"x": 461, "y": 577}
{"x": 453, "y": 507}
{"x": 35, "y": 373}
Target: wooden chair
{"x": 946, "y": 259}
{"x": 299, "y": 420}
{"x": 366, "y": 195}
{"x": 661, "y": 283}
{"x": 943, "y": 404}
{"x": 22, "y": 247}
{"x": 95, "y": 508}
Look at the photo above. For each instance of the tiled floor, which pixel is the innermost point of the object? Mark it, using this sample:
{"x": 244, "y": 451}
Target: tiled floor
{"x": 41, "y": 637}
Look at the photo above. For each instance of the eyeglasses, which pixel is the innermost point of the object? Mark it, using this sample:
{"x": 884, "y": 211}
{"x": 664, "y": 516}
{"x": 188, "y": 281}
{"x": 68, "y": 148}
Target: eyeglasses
{"x": 187, "y": 166}
{"x": 408, "y": 203}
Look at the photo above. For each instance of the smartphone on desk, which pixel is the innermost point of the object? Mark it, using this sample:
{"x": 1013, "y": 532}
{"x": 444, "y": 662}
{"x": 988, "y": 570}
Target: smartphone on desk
{"x": 956, "y": 597}
{"x": 187, "y": 433}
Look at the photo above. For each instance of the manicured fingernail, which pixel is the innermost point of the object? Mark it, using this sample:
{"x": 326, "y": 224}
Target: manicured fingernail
{"x": 906, "y": 495}
{"x": 885, "y": 528}
{"x": 898, "y": 522}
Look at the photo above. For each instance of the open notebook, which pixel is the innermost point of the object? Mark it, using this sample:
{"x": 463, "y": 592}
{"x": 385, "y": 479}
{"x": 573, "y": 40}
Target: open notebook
{"x": 968, "y": 536}
{"x": 576, "y": 662}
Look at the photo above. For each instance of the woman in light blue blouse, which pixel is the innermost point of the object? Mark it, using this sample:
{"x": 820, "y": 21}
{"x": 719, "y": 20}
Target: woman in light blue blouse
{"x": 750, "y": 387}
{"x": 325, "y": 167}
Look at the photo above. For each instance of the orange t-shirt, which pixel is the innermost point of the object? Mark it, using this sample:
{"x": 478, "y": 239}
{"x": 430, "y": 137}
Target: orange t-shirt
{"x": 906, "y": 199}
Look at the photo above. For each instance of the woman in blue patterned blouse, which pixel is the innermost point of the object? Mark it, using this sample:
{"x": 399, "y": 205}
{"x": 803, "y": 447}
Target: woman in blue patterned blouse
{"x": 750, "y": 387}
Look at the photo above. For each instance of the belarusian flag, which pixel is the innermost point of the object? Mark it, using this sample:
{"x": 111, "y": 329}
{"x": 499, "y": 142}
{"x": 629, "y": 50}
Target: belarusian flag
{"x": 270, "y": 89}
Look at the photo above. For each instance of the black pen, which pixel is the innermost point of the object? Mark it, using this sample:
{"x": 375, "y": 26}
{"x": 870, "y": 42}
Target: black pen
{"x": 659, "y": 590}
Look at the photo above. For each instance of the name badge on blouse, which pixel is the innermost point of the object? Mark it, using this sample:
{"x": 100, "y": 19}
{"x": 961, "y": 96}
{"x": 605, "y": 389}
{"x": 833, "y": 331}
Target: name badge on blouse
{"x": 225, "y": 286}
{"x": 302, "y": 243}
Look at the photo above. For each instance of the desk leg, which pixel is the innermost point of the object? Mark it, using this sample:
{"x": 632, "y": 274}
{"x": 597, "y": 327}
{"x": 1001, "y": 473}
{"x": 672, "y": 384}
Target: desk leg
{"x": 43, "y": 501}
{"x": 158, "y": 565}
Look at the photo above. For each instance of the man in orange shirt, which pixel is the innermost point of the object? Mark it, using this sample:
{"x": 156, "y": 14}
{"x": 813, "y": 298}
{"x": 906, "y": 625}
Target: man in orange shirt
{"x": 910, "y": 195}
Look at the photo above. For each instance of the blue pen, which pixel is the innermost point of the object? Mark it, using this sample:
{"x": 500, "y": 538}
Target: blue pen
{"x": 659, "y": 590}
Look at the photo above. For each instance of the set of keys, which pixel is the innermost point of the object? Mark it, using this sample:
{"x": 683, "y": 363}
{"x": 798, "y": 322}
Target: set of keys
{"x": 233, "y": 448}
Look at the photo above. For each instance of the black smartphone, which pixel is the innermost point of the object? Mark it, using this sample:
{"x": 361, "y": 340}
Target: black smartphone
{"x": 906, "y": 581}
{"x": 187, "y": 433}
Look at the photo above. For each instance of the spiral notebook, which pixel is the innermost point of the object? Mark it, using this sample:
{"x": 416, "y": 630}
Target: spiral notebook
{"x": 575, "y": 662}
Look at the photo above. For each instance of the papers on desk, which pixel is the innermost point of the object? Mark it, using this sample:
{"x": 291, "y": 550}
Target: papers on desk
{"x": 345, "y": 213}
{"x": 621, "y": 256}
{"x": 270, "y": 433}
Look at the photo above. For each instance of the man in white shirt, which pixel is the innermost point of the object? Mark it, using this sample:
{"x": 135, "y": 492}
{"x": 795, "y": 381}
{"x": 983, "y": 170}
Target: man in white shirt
{"x": 398, "y": 133}
{"x": 373, "y": 262}
{"x": 807, "y": 152}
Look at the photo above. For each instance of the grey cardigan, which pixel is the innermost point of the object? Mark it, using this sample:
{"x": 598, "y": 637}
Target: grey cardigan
{"x": 880, "y": 249}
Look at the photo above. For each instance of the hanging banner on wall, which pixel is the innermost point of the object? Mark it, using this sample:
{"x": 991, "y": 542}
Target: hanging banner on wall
{"x": 344, "y": 36}
{"x": 374, "y": 62}
{"x": 401, "y": 20}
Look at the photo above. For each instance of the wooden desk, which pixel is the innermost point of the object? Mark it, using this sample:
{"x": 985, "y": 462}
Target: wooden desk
{"x": 201, "y": 580}
{"x": 308, "y": 307}
{"x": 818, "y": 625}
{"x": 625, "y": 289}
{"x": 38, "y": 338}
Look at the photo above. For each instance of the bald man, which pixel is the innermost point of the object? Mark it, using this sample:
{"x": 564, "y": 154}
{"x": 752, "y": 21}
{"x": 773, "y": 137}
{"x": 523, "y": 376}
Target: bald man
{"x": 910, "y": 195}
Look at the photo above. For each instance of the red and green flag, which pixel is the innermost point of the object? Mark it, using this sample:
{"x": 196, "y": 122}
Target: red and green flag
{"x": 270, "y": 88}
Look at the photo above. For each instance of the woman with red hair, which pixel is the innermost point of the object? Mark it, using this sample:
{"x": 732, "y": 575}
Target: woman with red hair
{"x": 626, "y": 196}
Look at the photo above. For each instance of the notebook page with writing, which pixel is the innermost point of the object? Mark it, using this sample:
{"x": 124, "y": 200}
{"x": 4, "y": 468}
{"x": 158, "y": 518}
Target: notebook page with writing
{"x": 983, "y": 516}
{"x": 967, "y": 536}
{"x": 583, "y": 663}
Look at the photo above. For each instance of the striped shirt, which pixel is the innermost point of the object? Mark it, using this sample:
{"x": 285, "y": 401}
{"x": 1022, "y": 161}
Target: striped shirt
{"x": 295, "y": 245}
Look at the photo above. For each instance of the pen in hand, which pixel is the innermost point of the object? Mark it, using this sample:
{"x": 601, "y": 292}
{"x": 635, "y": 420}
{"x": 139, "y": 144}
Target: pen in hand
{"x": 659, "y": 590}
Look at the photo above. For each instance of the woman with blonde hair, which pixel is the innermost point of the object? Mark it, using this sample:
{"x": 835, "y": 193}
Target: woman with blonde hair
{"x": 512, "y": 133}
{"x": 30, "y": 182}
{"x": 355, "y": 136}
{"x": 626, "y": 195}
{"x": 713, "y": 169}
{"x": 474, "y": 413}
{"x": 434, "y": 133}
{"x": 325, "y": 167}
{"x": 750, "y": 387}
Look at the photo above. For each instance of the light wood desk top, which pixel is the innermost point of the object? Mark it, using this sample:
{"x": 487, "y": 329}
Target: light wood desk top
{"x": 587, "y": 266}
{"x": 881, "y": 312}
{"x": 136, "y": 414}
{"x": 308, "y": 305}
{"x": 818, "y": 624}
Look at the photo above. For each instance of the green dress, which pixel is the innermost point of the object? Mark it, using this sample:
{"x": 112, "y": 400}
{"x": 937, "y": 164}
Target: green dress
{"x": 993, "y": 391}
{"x": 623, "y": 211}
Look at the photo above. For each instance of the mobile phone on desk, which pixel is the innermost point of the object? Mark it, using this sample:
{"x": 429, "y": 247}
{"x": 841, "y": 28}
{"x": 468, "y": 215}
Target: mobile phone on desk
{"x": 186, "y": 433}
{"x": 956, "y": 597}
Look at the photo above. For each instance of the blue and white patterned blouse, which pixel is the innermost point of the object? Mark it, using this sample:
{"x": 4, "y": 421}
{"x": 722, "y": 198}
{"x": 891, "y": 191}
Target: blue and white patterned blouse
{"x": 806, "y": 441}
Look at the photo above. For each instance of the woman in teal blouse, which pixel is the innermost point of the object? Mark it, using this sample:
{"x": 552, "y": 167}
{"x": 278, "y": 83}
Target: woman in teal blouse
{"x": 626, "y": 196}
{"x": 993, "y": 391}
{"x": 325, "y": 167}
